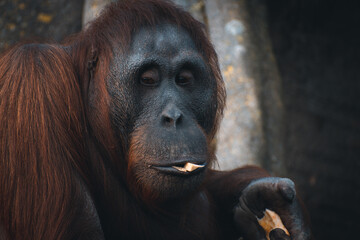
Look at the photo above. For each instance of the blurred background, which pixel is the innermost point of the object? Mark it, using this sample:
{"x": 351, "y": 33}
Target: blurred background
{"x": 291, "y": 72}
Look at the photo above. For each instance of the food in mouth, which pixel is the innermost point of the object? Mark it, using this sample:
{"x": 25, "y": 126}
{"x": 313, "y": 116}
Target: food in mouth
{"x": 188, "y": 167}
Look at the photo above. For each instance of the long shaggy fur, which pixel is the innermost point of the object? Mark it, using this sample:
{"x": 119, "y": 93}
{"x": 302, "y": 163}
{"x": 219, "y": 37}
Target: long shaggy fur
{"x": 46, "y": 121}
{"x": 41, "y": 140}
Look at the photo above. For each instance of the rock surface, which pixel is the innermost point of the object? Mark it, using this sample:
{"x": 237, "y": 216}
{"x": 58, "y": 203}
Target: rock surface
{"x": 37, "y": 19}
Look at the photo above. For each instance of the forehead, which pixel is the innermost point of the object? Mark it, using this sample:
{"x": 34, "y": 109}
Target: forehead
{"x": 164, "y": 39}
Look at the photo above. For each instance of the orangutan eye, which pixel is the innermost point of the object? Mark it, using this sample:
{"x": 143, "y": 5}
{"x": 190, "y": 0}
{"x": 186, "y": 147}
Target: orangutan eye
{"x": 184, "y": 78}
{"x": 150, "y": 78}
{"x": 148, "y": 81}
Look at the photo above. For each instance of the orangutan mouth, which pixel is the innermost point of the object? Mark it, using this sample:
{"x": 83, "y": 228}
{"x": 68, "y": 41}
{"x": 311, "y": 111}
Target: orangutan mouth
{"x": 182, "y": 168}
{"x": 189, "y": 167}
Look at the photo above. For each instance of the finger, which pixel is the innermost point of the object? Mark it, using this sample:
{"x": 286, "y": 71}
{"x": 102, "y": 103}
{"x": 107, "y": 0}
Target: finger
{"x": 279, "y": 195}
{"x": 278, "y": 234}
{"x": 287, "y": 188}
{"x": 270, "y": 192}
{"x": 247, "y": 223}
{"x": 294, "y": 221}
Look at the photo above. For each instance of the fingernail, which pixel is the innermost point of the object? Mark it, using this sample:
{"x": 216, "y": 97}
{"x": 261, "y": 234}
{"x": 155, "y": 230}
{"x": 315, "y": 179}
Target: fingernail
{"x": 287, "y": 189}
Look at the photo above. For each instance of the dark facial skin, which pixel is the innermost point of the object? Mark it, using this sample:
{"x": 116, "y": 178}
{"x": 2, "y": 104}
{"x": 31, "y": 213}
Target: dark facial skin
{"x": 171, "y": 90}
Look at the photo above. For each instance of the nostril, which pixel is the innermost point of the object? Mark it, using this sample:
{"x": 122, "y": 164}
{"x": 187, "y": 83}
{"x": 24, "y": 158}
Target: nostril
{"x": 168, "y": 120}
{"x": 171, "y": 116}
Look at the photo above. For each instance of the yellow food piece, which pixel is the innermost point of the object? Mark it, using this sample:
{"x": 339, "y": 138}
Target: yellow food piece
{"x": 189, "y": 167}
{"x": 271, "y": 221}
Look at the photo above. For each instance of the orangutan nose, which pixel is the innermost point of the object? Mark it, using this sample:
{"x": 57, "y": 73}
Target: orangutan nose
{"x": 171, "y": 116}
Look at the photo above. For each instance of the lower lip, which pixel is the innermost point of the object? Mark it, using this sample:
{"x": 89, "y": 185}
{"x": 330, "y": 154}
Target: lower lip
{"x": 172, "y": 171}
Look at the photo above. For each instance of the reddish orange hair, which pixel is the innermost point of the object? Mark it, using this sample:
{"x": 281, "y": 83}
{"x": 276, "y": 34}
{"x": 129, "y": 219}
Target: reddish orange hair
{"x": 44, "y": 116}
{"x": 41, "y": 140}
